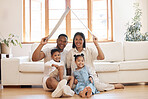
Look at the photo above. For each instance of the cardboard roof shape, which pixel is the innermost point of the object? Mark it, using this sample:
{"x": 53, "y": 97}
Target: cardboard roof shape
{"x": 62, "y": 18}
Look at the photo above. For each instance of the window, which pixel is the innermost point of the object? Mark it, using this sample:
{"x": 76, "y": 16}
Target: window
{"x": 33, "y": 23}
{"x": 101, "y": 19}
{"x": 41, "y": 16}
{"x": 80, "y": 9}
{"x": 55, "y": 13}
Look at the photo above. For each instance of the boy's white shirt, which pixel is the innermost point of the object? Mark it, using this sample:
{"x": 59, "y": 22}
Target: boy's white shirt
{"x": 51, "y": 68}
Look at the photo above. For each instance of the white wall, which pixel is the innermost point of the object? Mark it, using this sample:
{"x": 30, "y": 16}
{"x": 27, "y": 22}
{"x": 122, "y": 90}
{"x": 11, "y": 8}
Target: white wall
{"x": 11, "y": 20}
{"x": 11, "y": 17}
{"x": 144, "y": 19}
{"x": 123, "y": 11}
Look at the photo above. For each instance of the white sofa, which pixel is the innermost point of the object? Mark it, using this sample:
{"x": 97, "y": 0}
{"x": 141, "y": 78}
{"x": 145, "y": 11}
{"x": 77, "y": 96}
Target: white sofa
{"x": 125, "y": 62}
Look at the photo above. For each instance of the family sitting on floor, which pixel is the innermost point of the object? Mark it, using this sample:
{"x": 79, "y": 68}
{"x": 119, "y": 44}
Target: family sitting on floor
{"x": 78, "y": 62}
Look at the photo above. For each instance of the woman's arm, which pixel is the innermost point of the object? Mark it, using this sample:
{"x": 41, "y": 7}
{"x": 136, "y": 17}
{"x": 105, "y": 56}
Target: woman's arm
{"x": 100, "y": 53}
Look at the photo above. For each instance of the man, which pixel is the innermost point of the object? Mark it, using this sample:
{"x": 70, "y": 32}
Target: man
{"x": 60, "y": 88}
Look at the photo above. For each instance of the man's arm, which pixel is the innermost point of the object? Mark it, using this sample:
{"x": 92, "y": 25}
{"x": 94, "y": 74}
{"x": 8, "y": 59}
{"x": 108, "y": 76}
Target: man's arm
{"x": 68, "y": 59}
{"x": 38, "y": 54}
{"x": 68, "y": 71}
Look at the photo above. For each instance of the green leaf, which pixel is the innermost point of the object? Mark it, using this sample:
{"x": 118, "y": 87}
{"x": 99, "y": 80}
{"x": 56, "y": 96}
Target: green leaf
{"x": 12, "y": 35}
{"x": 20, "y": 45}
{"x": 13, "y": 42}
{"x": 6, "y": 42}
{"x": 16, "y": 41}
{"x": 133, "y": 30}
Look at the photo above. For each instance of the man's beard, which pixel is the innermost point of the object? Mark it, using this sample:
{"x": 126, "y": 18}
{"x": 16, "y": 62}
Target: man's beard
{"x": 60, "y": 48}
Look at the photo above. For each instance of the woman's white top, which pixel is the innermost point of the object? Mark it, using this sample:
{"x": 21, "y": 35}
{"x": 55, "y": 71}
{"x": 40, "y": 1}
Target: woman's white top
{"x": 89, "y": 56}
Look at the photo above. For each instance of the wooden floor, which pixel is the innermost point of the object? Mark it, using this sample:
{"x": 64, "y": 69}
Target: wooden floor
{"x": 139, "y": 91}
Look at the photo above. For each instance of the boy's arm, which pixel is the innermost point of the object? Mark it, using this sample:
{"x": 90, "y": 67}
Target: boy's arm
{"x": 56, "y": 66}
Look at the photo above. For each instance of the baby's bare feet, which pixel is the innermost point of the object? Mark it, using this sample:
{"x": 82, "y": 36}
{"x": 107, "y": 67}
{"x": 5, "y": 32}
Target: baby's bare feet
{"x": 119, "y": 86}
{"x": 84, "y": 92}
{"x": 89, "y": 92}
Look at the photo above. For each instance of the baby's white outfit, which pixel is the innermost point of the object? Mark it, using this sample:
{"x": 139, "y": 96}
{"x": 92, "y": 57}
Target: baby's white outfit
{"x": 52, "y": 71}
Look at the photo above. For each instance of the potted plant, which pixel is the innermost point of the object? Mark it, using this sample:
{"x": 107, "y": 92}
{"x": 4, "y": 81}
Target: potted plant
{"x": 133, "y": 30}
{"x": 7, "y": 42}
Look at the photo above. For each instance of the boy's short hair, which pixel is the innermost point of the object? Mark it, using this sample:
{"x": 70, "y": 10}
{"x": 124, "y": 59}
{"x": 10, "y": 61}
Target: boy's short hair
{"x": 54, "y": 50}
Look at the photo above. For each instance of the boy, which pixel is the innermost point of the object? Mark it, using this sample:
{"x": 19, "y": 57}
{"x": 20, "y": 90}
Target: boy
{"x": 57, "y": 69}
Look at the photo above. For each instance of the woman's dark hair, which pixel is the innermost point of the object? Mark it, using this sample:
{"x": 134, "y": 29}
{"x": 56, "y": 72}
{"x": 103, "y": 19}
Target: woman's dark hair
{"x": 76, "y": 56}
{"x": 82, "y": 35}
{"x": 54, "y": 50}
{"x": 63, "y": 35}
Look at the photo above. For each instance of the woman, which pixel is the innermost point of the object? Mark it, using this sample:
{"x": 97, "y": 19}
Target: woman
{"x": 79, "y": 47}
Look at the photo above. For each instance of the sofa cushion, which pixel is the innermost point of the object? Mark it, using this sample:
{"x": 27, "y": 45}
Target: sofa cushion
{"x": 136, "y": 50}
{"x": 113, "y": 51}
{"x": 31, "y": 67}
{"x": 134, "y": 65}
{"x": 106, "y": 66}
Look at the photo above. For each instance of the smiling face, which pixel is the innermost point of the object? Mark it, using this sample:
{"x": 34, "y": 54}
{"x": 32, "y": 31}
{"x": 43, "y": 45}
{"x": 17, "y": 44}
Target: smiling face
{"x": 61, "y": 42}
{"x": 79, "y": 41}
{"x": 80, "y": 62}
{"x": 56, "y": 56}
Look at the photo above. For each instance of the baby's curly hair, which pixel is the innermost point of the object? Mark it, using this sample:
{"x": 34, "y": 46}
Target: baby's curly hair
{"x": 76, "y": 56}
{"x": 54, "y": 50}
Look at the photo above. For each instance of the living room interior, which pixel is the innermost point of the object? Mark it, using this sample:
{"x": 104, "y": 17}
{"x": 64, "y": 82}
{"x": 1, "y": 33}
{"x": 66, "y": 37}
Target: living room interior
{"x": 125, "y": 62}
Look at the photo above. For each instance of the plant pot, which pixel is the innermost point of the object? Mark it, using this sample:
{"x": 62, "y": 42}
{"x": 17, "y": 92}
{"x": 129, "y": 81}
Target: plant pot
{"x": 5, "y": 49}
